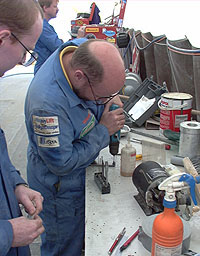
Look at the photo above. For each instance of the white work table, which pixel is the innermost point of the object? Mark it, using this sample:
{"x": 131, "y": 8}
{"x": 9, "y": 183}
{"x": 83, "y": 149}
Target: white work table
{"x": 108, "y": 214}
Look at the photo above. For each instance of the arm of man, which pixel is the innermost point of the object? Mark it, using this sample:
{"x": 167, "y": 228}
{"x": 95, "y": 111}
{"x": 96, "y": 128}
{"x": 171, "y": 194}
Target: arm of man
{"x": 6, "y": 236}
{"x": 73, "y": 147}
{"x": 49, "y": 38}
{"x": 30, "y": 199}
{"x": 25, "y": 231}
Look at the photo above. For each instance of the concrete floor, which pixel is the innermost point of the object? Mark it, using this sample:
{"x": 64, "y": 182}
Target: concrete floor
{"x": 13, "y": 88}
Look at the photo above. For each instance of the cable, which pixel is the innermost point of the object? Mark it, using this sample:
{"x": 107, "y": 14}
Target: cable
{"x": 182, "y": 51}
{"x": 157, "y": 39}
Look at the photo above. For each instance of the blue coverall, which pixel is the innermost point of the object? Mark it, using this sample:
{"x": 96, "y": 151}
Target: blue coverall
{"x": 65, "y": 137}
{"x": 9, "y": 207}
{"x": 47, "y": 43}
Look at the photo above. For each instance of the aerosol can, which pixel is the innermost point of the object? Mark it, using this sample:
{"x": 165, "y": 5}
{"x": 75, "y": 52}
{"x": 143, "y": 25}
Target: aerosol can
{"x": 167, "y": 232}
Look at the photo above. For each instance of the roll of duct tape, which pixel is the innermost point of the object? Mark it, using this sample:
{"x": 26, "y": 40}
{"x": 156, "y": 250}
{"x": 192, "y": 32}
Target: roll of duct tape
{"x": 189, "y": 145}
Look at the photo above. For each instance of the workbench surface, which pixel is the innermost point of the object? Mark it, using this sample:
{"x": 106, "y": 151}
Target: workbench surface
{"x": 108, "y": 214}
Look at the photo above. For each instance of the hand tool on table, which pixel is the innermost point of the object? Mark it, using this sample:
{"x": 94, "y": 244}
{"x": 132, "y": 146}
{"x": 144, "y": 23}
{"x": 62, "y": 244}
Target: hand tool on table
{"x": 127, "y": 243}
{"x": 167, "y": 146}
{"x": 117, "y": 240}
{"x": 171, "y": 142}
{"x": 114, "y": 139}
{"x": 101, "y": 178}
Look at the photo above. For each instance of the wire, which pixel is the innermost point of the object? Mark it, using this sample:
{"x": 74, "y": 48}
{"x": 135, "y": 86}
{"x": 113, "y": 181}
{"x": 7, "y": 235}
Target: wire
{"x": 169, "y": 46}
{"x": 157, "y": 39}
{"x": 182, "y": 51}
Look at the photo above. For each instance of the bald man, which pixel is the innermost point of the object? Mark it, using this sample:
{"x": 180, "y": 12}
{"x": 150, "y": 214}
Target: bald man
{"x": 69, "y": 123}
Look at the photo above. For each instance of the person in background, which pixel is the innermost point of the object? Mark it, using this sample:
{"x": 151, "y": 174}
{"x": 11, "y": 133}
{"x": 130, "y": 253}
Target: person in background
{"x": 20, "y": 27}
{"x": 48, "y": 41}
{"x": 68, "y": 124}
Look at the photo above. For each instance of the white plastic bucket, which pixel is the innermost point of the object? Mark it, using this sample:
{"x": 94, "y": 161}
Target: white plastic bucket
{"x": 175, "y": 108}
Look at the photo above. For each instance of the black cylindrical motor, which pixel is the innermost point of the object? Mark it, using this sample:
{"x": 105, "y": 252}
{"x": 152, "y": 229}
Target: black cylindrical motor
{"x": 146, "y": 178}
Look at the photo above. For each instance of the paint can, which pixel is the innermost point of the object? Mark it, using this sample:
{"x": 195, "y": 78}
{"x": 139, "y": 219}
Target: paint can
{"x": 175, "y": 108}
{"x": 189, "y": 145}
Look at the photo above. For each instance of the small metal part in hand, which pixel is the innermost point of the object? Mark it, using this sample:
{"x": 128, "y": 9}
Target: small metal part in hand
{"x": 30, "y": 217}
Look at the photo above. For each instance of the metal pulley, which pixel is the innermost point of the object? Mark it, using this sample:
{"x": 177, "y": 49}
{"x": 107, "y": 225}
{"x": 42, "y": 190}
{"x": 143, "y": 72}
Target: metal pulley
{"x": 132, "y": 82}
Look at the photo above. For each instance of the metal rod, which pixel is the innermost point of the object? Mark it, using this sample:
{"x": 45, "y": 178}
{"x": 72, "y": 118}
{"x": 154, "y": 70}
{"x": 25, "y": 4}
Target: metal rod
{"x": 155, "y": 137}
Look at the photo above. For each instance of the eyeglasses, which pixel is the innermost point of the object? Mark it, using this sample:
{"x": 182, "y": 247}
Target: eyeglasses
{"x": 33, "y": 55}
{"x": 99, "y": 98}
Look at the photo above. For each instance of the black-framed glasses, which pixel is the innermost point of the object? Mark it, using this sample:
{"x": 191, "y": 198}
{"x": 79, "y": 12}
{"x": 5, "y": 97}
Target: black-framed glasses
{"x": 98, "y": 101}
{"x": 33, "y": 55}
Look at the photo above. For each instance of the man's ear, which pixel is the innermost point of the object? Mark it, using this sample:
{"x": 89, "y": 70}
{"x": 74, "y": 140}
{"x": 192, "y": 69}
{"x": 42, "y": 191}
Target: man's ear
{"x": 79, "y": 76}
{"x": 44, "y": 8}
{"x": 4, "y": 35}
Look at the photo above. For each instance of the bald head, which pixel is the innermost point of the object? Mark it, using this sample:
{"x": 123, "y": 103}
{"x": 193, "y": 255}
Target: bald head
{"x": 113, "y": 66}
{"x": 102, "y": 63}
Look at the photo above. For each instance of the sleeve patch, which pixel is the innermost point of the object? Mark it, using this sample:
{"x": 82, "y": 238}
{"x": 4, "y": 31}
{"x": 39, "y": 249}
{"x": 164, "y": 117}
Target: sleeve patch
{"x": 48, "y": 142}
{"x": 46, "y": 125}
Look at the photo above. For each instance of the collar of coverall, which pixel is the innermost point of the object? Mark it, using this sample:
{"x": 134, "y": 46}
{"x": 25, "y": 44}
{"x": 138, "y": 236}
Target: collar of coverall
{"x": 65, "y": 50}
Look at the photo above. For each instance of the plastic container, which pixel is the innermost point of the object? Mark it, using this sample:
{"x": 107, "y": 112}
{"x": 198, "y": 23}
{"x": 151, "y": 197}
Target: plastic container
{"x": 175, "y": 108}
{"x": 128, "y": 160}
{"x": 167, "y": 231}
{"x": 167, "y": 234}
{"x": 150, "y": 90}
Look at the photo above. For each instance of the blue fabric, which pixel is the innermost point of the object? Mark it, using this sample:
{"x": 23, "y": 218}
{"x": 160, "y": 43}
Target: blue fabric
{"x": 96, "y": 18}
{"x": 47, "y": 43}
{"x": 9, "y": 208}
{"x": 59, "y": 153}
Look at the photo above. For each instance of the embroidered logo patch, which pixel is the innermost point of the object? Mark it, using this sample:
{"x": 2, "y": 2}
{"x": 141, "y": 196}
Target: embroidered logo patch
{"x": 48, "y": 142}
{"x": 88, "y": 127}
{"x": 46, "y": 125}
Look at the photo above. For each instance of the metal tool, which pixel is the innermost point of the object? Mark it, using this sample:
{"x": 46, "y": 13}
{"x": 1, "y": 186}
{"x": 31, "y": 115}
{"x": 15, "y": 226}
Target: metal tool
{"x": 117, "y": 240}
{"x": 129, "y": 116}
{"x": 101, "y": 178}
{"x": 167, "y": 146}
{"x": 127, "y": 243}
{"x": 155, "y": 137}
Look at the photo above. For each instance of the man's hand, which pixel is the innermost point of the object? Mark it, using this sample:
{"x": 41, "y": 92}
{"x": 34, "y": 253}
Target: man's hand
{"x": 25, "y": 231}
{"x": 30, "y": 199}
{"x": 114, "y": 120}
{"x": 116, "y": 100}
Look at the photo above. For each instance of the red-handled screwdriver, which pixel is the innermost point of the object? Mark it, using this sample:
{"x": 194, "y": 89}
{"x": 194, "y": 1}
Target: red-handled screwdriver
{"x": 127, "y": 243}
{"x": 119, "y": 237}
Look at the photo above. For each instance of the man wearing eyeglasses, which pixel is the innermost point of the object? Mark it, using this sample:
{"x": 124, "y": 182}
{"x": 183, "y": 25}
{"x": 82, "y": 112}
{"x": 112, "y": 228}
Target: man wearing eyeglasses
{"x": 48, "y": 41}
{"x": 69, "y": 123}
{"x": 20, "y": 27}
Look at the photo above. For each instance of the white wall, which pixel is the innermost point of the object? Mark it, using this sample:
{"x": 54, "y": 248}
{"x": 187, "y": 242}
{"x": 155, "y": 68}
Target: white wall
{"x": 174, "y": 18}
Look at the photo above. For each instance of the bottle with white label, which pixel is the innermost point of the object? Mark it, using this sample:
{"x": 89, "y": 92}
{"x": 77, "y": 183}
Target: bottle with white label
{"x": 167, "y": 231}
{"x": 128, "y": 160}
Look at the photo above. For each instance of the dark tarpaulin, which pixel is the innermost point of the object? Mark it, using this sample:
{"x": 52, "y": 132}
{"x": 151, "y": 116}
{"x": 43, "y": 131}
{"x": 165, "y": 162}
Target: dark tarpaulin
{"x": 179, "y": 69}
